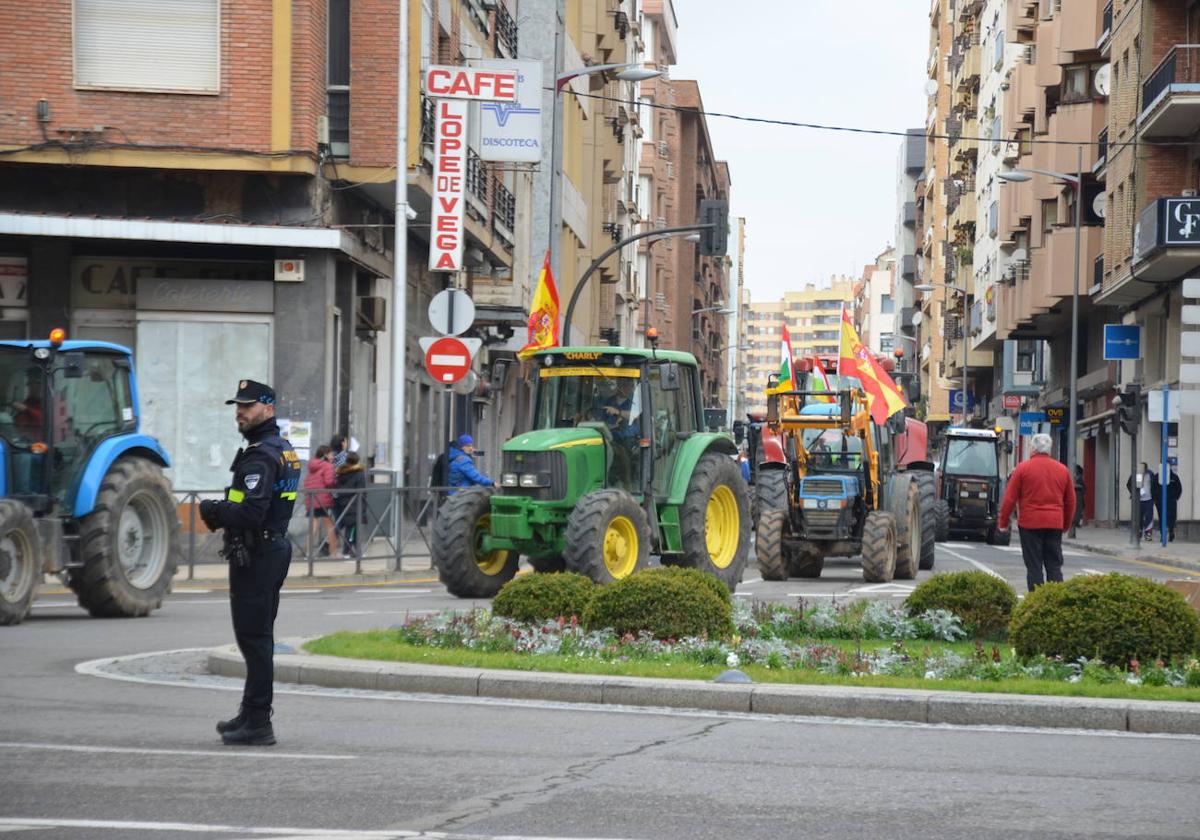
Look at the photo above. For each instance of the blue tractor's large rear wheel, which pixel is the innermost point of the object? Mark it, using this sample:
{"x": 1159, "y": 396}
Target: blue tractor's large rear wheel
{"x": 130, "y": 543}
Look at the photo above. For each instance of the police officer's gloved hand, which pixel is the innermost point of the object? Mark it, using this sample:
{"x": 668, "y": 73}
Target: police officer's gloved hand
{"x": 208, "y": 513}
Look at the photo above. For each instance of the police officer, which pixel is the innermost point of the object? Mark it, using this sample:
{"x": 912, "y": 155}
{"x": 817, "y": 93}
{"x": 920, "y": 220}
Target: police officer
{"x": 254, "y": 515}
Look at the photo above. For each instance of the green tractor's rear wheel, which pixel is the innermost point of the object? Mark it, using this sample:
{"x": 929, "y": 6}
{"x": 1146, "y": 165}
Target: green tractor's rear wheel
{"x": 465, "y": 568}
{"x": 928, "y": 519}
{"x": 715, "y": 519}
{"x": 768, "y": 545}
{"x": 904, "y": 501}
{"x": 608, "y": 537}
{"x": 130, "y": 543}
{"x": 20, "y": 561}
{"x": 879, "y": 547}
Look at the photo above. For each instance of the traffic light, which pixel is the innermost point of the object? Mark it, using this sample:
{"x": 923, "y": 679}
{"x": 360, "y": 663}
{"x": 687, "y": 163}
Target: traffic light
{"x": 714, "y": 240}
{"x": 1129, "y": 410}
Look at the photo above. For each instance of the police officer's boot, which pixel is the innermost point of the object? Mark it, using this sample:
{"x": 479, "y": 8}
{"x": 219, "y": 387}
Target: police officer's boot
{"x": 224, "y": 726}
{"x": 255, "y": 730}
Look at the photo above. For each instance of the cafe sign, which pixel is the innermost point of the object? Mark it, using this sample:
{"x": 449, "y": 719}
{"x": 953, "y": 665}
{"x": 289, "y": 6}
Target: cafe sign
{"x": 113, "y": 283}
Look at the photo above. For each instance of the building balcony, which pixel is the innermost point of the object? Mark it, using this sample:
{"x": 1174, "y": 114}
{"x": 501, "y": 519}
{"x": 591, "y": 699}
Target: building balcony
{"x": 1047, "y": 69}
{"x": 1051, "y": 277}
{"x": 1020, "y": 15}
{"x": 1020, "y": 100}
{"x": 1167, "y": 246}
{"x": 1071, "y": 121}
{"x": 908, "y": 214}
{"x": 913, "y": 154}
{"x": 1081, "y": 26}
{"x": 1171, "y": 95}
{"x": 908, "y": 266}
{"x": 967, "y": 77}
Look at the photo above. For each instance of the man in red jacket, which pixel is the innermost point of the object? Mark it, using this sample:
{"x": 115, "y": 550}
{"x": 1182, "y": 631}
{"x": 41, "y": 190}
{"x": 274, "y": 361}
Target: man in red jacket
{"x": 1044, "y": 495}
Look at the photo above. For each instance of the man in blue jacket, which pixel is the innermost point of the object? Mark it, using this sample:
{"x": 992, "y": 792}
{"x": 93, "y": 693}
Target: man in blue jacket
{"x": 462, "y": 469}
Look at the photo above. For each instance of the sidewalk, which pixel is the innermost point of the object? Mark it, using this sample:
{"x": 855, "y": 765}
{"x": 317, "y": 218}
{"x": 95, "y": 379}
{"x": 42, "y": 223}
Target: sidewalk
{"x": 1114, "y": 542}
{"x": 413, "y": 567}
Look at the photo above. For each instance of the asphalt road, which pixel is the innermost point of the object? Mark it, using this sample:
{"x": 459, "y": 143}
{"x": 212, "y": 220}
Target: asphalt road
{"x": 83, "y": 755}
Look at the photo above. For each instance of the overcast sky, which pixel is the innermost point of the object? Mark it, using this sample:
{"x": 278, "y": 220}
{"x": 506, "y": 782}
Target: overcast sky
{"x": 816, "y": 203}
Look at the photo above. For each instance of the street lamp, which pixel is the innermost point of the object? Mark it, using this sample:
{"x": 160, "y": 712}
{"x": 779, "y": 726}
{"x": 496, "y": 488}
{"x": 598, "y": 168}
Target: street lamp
{"x": 1076, "y": 183}
{"x": 720, "y": 310}
{"x": 929, "y": 287}
{"x": 628, "y": 72}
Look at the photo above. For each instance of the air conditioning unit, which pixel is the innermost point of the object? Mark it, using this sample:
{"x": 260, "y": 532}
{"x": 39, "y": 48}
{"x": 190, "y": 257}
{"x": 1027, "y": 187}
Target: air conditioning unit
{"x": 372, "y": 313}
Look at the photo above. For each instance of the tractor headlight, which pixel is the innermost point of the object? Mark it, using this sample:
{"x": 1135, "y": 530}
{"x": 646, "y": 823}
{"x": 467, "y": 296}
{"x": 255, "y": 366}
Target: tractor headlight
{"x": 508, "y": 480}
{"x": 535, "y": 479}
{"x": 966, "y": 494}
{"x": 41, "y": 353}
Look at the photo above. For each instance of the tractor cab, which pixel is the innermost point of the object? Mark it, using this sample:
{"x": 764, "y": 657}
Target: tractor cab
{"x": 970, "y": 489}
{"x": 55, "y": 407}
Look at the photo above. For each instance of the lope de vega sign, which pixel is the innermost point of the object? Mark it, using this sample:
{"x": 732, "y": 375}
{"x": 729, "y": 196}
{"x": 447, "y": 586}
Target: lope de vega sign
{"x": 452, "y": 88}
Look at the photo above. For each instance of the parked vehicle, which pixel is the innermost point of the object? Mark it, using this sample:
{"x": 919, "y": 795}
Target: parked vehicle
{"x": 82, "y": 492}
{"x": 616, "y": 467}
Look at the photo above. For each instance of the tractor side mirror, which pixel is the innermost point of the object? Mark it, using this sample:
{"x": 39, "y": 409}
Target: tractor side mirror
{"x": 847, "y": 407}
{"x": 897, "y": 424}
{"x": 670, "y": 375}
{"x": 72, "y": 364}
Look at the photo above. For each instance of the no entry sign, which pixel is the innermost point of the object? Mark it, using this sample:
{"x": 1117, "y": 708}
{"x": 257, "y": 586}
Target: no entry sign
{"x": 448, "y": 359}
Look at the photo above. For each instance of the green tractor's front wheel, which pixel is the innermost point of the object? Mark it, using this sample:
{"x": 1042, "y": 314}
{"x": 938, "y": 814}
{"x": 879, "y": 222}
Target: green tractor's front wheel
{"x": 608, "y": 537}
{"x": 715, "y": 519}
{"x": 464, "y": 565}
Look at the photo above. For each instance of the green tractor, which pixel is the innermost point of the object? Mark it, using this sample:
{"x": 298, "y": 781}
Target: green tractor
{"x": 616, "y": 467}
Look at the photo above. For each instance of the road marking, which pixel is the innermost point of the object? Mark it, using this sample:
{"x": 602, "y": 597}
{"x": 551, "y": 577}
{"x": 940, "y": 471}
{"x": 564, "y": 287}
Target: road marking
{"x": 300, "y": 591}
{"x": 393, "y": 589}
{"x": 974, "y": 563}
{"x": 752, "y": 580}
{"x": 1089, "y": 572}
{"x": 355, "y": 612}
{"x": 1011, "y": 549}
{"x": 23, "y": 823}
{"x": 883, "y": 588}
{"x": 235, "y": 753}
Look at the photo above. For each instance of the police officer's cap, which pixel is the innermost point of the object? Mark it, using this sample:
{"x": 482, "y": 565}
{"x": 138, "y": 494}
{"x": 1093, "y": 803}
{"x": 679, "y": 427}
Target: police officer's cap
{"x": 250, "y": 391}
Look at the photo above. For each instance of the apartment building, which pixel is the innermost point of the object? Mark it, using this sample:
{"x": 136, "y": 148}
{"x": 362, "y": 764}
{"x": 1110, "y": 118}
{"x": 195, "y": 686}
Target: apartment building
{"x": 910, "y": 165}
{"x": 875, "y": 313}
{"x": 813, "y": 317}
{"x": 1150, "y": 179}
{"x": 685, "y": 296}
{"x": 938, "y": 262}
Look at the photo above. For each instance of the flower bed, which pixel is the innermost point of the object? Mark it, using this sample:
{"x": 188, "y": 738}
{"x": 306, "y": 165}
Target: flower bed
{"x": 789, "y": 642}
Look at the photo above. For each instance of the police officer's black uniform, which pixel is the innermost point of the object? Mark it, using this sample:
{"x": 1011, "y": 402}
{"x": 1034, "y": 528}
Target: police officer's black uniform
{"x": 255, "y": 515}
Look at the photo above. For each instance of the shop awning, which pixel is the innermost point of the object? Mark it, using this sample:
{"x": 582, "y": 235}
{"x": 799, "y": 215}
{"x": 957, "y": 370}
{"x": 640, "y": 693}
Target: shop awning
{"x": 147, "y": 230}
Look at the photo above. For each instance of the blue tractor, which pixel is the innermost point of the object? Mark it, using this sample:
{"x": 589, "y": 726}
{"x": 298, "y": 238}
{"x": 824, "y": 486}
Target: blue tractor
{"x": 82, "y": 490}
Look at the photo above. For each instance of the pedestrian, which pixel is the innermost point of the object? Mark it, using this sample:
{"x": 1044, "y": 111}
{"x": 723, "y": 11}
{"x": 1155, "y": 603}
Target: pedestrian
{"x": 351, "y": 476}
{"x": 340, "y": 447}
{"x": 744, "y": 463}
{"x": 255, "y": 515}
{"x": 462, "y": 470}
{"x": 1146, "y": 481}
{"x": 1174, "y": 491}
{"x": 321, "y": 477}
{"x": 1043, "y": 494}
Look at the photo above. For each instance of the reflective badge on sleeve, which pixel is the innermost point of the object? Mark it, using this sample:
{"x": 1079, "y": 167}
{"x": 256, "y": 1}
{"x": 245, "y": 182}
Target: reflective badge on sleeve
{"x": 252, "y": 480}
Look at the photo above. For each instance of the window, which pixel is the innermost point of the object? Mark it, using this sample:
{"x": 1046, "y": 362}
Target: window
{"x": 140, "y": 45}
{"x": 338, "y": 81}
{"x": 994, "y": 218}
{"x": 646, "y": 116}
{"x": 998, "y": 51}
{"x": 1049, "y": 214}
{"x": 886, "y": 305}
{"x": 887, "y": 341}
{"x": 1076, "y": 84}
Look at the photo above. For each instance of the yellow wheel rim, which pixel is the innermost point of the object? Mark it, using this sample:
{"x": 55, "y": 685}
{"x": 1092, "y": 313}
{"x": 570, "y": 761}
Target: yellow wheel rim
{"x": 721, "y": 527}
{"x": 491, "y": 562}
{"x": 620, "y": 547}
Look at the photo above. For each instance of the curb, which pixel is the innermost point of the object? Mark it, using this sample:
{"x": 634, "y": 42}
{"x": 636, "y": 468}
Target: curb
{"x": 1184, "y": 563}
{"x": 886, "y": 704}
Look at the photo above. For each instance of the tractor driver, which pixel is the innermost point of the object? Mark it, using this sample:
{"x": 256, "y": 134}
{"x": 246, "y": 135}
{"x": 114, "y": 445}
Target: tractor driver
{"x": 624, "y": 421}
{"x": 28, "y": 414}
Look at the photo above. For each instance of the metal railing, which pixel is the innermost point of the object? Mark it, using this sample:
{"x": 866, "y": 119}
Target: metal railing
{"x": 1106, "y": 27}
{"x": 375, "y": 523}
{"x": 1180, "y": 65}
{"x": 477, "y": 176}
{"x": 1102, "y": 145}
{"x": 506, "y": 30}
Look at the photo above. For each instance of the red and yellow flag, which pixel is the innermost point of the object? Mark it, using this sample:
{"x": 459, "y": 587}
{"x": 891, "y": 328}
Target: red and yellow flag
{"x": 857, "y": 360}
{"x": 543, "y": 314}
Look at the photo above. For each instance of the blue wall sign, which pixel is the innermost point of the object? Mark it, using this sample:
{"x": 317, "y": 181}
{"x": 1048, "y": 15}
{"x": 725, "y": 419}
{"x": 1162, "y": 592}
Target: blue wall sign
{"x": 1029, "y": 420}
{"x": 1122, "y": 341}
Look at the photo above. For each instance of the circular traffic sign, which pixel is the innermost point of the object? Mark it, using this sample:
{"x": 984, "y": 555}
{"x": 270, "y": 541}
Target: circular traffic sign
{"x": 448, "y": 360}
{"x": 439, "y": 311}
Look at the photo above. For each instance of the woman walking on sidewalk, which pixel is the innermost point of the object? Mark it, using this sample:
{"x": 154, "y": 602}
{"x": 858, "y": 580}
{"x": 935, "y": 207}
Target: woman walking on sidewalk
{"x": 320, "y": 476}
{"x": 1043, "y": 494}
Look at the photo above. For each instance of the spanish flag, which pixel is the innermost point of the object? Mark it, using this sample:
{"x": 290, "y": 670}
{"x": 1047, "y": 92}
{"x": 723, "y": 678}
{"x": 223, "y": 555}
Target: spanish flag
{"x": 543, "y": 314}
{"x": 856, "y": 359}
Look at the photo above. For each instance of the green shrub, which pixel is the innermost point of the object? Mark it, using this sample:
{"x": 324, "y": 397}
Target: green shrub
{"x": 544, "y": 597}
{"x": 1111, "y": 617}
{"x": 693, "y": 577}
{"x": 666, "y": 605}
{"x": 983, "y": 602}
